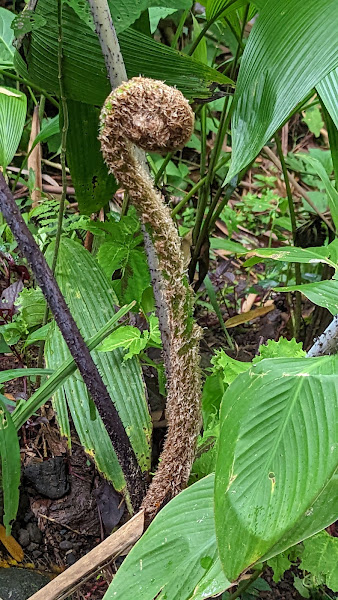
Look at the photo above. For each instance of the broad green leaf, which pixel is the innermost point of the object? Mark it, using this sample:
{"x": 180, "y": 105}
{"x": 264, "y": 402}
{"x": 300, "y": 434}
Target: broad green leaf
{"x": 6, "y": 39}
{"x": 73, "y": 397}
{"x": 32, "y": 306}
{"x": 332, "y": 193}
{"x": 38, "y": 335}
{"x": 313, "y": 119}
{"x": 321, "y": 254}
{"x": 282, "y": 349}
{"x": 320, "y": 558}
{"x": 94, "y": 186}
{"x": 122, "y": 250}
{"x": 127, "y": 12}
{"x": 89, "y": 296}
{"x": 156, "y": 14}
{"x": 279, "y": 564}
{"x": 85, "y": 75}
{"x": 275, "y": 481}
{"x": 323, "y": 293}
{"x": 24, "y": 410}
{"x": 276, "y": 73}
{"x": 177, "y": 556}
{"x": 13, "y": 106}
{"x": 327, "y": 88}
{"x": 228, "y": 245}
{"x": 127, "y": 337}
{"x": 10, "y": 466}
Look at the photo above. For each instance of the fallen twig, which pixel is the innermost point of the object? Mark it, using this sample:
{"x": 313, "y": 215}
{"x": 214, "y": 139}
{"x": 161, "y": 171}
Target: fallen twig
{"x": 115, "y": 545}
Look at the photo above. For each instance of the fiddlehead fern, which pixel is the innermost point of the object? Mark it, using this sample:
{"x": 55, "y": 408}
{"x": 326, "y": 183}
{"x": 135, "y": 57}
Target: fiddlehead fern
{"x": 157, "y": 118}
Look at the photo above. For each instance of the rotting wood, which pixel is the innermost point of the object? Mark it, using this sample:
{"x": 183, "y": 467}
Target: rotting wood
{"x": 115, "y": 545}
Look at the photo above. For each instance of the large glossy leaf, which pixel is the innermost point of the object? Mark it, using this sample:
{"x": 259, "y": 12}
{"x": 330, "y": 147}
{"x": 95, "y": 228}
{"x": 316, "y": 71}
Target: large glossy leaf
{"x": 126, "y": 12}
{"x": 89, "y": 296}
{"x": 73, "y": 395}
{"x": 10, "y": 466}
{"x": 323, "y": 293}
{"x": 275, "y": 475}
{"x": 328, "y": 91}
{"x": 276, "y": 72}
{"x": 177, "y": 557}
{"x": 85, "y": 74}
{"x": 6, "y": 39}
{"x": 13, "y": 106}
{"x": 94, "y": 186}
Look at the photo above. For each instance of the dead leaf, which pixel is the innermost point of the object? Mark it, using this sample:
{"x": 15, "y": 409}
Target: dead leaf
{"x": 248, "y": 316}
{"x": 248, "y": 302}
{"x": 11, "y": 545}
{"x": 8, "y": 93}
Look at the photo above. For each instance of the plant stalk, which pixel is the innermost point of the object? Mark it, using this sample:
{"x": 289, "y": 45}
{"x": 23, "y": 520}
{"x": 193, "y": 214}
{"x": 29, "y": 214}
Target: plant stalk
{"x": 31, "y": 84}
{"x": 298, "y": 277}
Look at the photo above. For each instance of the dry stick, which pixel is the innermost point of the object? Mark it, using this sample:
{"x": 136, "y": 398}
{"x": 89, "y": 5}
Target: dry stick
{"x": 297, "y": 187}
{"x": 115, "y": 545}
{"x": 327, "y": 343}
{"x": 76, "y": 345}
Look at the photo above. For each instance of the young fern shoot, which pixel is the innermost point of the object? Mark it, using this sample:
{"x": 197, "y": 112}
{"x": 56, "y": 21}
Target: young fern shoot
{"x": 157, "y": 118}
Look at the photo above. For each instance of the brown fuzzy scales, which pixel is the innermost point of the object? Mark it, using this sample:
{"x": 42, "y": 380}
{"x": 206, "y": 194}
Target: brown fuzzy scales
{"x": 158, "y": 118}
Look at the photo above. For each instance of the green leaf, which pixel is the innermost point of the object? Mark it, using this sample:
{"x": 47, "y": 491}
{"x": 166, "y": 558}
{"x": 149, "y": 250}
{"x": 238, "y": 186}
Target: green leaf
{"x": 279, "y": 564}
{"x": 214, "y": 6}
{"x": 26, "y": 409}
{"x": 313, "y": 120}
{"x": 122, "y": 250}
{"x": 332, "y": 193}
{"x": 91, "y": 306}
{"x": 38, "y": 335}
{"x": 328, "y": 91}
{"x": 15, "y": 373}
{"x": 85, "y": 75}
{"x": 275, "y": 479}
{"x": 127, "y": 12}
{"x": 73, "y": 397}
{"x": 127, "y": 337}
{"x": 177, "y": 556}
{"x": 94, "y": 186}
{"x": 321, "y": 254}
{"x": 228, "y": 245}
{"x": 6, "y": 39}
{"x": 201, "y": 52}
{"x": 10, "y": 466}
{"x": 49, "y": 128}
{"x": 320, "y": 558}
{"x": 300, "y": 587}
{"x": 282, "y": 349}
{"x": 26, "y": 22}
{"x": 322, "y": 293}
{"x": 32, "y": 306}
{"x": 276, "y": 73}
{"x": 13, "y": 106}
